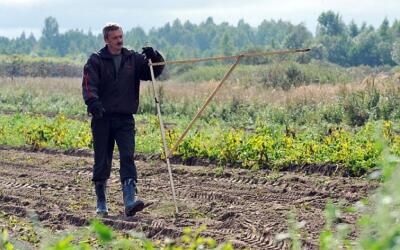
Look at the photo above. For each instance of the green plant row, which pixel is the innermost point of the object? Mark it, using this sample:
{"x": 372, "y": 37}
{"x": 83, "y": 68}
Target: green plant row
{"x": 276, "y": 146}
{"x": 268, "y": 146}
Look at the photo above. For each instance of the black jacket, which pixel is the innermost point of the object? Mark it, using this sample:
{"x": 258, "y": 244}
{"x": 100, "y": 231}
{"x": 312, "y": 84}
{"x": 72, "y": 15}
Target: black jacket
{"x": 119, "y": 94}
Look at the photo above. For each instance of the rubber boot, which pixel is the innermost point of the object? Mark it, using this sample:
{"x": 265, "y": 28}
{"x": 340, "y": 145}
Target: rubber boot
{"x": 132, "y": 205}
{"x": 101, "y": 204}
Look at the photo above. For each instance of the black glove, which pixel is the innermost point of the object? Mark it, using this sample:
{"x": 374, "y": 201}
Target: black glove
{"x": 149, "y": 52}
{"x": 96, "y": 109}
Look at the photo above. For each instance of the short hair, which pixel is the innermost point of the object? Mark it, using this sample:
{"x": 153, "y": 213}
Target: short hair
{"x": 110, "y": 27}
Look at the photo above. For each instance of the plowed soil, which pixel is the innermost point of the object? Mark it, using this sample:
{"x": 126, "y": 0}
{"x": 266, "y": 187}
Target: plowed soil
{"x": 248, "y": 208}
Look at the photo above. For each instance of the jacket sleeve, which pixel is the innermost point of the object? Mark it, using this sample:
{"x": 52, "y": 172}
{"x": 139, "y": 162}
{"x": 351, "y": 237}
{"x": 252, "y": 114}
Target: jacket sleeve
{"x": 144, "y": 73}
{"x": 90, "y": 81}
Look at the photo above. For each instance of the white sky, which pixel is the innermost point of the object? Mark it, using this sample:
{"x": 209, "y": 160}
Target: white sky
{"x": 28, "y": 15}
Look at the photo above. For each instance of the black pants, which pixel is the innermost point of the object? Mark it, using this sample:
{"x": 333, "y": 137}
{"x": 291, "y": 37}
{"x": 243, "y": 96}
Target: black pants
{"x": 106, "y": 131}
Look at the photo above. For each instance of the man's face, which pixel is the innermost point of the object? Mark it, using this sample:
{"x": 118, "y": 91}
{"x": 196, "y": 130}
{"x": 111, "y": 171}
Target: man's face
{"x": 115, "y": 39}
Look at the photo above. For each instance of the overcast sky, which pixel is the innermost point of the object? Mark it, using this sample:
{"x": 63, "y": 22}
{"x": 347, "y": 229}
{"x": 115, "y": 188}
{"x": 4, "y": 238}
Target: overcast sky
{"x": 28, "y": 15}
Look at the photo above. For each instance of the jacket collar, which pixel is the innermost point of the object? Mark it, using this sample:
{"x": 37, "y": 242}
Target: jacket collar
{"x": 104, "y": 53}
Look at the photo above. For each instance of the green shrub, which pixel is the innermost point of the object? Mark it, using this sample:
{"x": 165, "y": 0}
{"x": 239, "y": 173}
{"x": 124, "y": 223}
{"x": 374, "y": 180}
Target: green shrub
{"x": 361, "y": 105}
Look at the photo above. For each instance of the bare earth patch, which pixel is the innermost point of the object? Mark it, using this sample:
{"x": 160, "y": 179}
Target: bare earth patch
{"x": 245, "y": 207}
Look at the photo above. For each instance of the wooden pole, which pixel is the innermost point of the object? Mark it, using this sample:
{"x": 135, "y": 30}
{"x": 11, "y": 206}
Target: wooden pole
{"x": 166, "y": 151}
{"x": 205, "y": 105}
{"x": 250, "y": 54}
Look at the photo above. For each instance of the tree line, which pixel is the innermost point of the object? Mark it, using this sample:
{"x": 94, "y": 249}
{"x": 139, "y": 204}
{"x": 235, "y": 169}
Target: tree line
{"x": 334, "y": 40}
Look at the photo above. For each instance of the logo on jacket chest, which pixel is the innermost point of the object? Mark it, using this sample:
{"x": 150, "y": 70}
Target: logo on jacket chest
{"x": 129, "y": 67}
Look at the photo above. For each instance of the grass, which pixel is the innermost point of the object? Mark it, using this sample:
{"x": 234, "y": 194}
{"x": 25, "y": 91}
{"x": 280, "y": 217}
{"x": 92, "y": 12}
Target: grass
{"x": 33, "y": 91}
{"x": 279, "y": 73}
{"x": 46, "y": 95}
{"x": 236, "y": 103}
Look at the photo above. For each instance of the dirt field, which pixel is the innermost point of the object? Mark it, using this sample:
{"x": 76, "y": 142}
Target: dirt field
{"x": 248, "y": 208}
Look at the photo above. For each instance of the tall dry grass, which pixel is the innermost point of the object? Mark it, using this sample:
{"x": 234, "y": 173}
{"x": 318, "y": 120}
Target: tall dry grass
{"x": 307, "y": 95}
{"x": 194, "y": 91}
{"x": 68, "y": 86}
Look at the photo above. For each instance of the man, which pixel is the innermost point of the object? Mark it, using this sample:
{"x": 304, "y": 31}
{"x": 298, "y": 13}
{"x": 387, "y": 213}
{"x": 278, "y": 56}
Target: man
{"x": 110, "y": 87}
